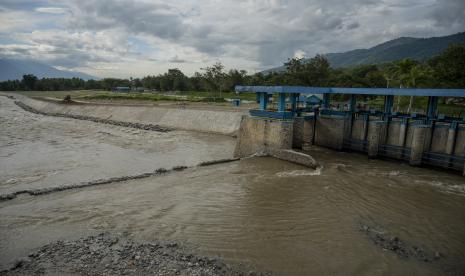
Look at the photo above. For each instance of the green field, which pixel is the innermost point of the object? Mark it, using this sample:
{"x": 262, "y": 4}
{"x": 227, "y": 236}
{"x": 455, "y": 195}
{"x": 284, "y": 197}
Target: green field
{"x": 141, "y": 96}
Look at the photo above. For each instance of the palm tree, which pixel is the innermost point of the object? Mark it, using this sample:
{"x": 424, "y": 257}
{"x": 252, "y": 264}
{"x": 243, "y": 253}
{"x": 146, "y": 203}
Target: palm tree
{"x": 402, "y": 70}
{"x": 415, "y": 73}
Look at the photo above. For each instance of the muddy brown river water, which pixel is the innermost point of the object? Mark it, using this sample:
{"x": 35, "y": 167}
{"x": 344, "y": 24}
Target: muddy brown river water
{"x": 274, "y": 215}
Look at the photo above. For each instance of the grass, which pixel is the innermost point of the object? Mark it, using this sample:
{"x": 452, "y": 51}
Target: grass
{"x": 189, "y": 96}
{"x": 148, "y": 97}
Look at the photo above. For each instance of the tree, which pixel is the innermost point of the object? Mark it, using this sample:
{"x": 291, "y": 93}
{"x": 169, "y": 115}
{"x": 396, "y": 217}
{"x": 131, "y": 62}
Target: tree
{"x": 29, "y": 81}
{"x": 312, "y": 72}
{"x": 215, "y": 77}
{"x": 448, "y": 68}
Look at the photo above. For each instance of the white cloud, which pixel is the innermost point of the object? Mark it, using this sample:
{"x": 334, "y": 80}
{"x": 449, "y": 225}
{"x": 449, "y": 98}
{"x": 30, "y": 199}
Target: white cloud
{"x": 140, "y": 37}
{"x": 52, "y": 10}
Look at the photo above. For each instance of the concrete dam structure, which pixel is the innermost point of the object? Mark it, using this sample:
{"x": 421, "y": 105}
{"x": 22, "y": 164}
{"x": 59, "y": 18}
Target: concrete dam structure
{"x": 211, "y": 121}
{"x": 231, "y": 123}
{"x": 431, "y": 139}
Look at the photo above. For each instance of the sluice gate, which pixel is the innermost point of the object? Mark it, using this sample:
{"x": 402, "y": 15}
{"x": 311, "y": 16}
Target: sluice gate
{"x": 283, "y": 120}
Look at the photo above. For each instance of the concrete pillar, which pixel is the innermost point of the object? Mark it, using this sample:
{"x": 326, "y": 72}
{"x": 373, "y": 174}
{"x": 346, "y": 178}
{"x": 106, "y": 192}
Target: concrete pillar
{"x": 451, "y": 137}
{"x": 418, "y": 144}
{"x": 402, "y": 135}
{"x": 375, "y": 131}
{"x": 298, "y": 132}
{"x": 403, "y": 131}
{"x": 308, "y": 132}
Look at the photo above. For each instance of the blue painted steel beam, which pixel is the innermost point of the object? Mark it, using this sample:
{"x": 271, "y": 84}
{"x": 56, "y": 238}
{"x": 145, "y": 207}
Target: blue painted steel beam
{"x": 263, "y": 101}
{"x": 281, "y": 102}
{"x": 357, "y": 91}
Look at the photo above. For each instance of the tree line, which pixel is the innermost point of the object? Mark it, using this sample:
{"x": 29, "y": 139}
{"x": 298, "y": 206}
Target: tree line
{"x": 446, "y": 70}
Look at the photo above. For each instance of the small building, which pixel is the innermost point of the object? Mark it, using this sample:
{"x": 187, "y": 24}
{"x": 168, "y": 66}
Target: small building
{"x": 314, "y": 99}
{"x": 310, "y": 100}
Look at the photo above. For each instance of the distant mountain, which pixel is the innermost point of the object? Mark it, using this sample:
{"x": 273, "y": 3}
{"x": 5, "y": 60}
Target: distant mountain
{"x": 11, "y": 69}
{"x": 400, "y": 48}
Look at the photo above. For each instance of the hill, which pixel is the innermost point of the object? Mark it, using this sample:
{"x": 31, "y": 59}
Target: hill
{"x": 11, "y": 69}
{"x": 400, "y": 48}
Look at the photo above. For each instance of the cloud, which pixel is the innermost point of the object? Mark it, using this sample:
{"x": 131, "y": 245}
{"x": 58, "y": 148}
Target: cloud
{"x": 449, "y": 13}
{"x": 69, "y": 49}
{"x": 147, "y": 36}
{"x": 176, "y": 59}
{"x": 52, "y": 10}
{"x": 159, "y": 20}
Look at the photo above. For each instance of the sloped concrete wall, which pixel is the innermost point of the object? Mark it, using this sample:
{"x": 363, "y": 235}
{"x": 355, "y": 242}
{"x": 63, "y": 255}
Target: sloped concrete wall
{"x": 222, "y": 122}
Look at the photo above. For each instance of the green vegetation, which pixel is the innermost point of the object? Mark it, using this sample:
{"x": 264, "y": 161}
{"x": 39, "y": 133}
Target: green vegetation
{"x": 184, "y": 96}
{"x": 213, "y": 84}
{"x": 149, "y": 97}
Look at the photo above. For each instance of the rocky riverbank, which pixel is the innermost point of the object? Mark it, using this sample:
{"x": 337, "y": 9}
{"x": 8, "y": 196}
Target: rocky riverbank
{"x": 118, "y": 254}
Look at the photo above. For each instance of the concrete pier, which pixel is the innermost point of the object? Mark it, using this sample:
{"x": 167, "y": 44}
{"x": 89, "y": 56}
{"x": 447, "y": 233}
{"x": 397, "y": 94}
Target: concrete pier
{"x": 430, "y": 138}
{"x": 451, "y": 137}
{"x": 418, "y": 144}
{"x": 402, "y": 135}
{"x": 375, "y": 131}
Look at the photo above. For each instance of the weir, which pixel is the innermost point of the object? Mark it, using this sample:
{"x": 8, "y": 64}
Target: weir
{"x": 420, "y": 139}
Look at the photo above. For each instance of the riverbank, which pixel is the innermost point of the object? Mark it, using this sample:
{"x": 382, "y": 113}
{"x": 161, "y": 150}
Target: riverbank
{"x": 119, "y": 254}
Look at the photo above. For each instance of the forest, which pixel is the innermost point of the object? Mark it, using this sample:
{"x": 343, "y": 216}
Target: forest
{"x": 446, "y": 70}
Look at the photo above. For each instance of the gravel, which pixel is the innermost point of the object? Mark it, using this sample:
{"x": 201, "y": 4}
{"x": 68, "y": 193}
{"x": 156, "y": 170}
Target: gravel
{"x": 118, "y": 254}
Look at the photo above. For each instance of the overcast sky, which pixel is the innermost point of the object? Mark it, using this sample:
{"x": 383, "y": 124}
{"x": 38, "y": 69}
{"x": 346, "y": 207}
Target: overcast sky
{"x": 124, "y": 38}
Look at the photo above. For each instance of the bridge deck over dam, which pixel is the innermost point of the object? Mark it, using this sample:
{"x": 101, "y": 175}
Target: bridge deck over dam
{"x": 420, "y": 139}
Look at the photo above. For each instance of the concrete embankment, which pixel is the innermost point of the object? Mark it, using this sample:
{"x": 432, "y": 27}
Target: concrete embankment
{"x": 221, "y": 122}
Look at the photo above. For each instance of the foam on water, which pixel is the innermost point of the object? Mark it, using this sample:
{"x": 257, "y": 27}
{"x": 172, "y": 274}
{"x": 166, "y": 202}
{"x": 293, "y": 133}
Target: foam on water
{"x": 295, "y": 173}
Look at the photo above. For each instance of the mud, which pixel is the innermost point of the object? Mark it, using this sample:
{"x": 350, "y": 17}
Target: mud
{"x": 110, "y": 254}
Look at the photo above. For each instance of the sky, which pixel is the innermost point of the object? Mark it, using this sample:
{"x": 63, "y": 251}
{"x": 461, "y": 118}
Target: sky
{"x": 135, "y": 38}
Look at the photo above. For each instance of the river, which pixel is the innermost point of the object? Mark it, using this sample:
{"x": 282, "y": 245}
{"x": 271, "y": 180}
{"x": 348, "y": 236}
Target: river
{"x": 276, "y": 216}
